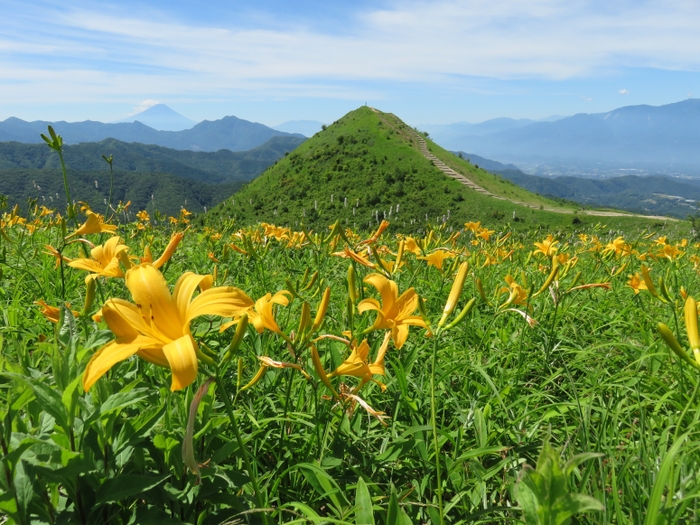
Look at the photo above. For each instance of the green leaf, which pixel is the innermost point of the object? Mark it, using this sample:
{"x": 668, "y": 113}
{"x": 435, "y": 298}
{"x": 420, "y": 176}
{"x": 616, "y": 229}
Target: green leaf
{"x": 528, "y": 502}
{"x": 325, "y": 485}
{"x": 125, "y": 486}
{"x": 392, "y": 512}
{"x": 49, "y": 398}
{"x": 575, "y": 461}
{"x": 363, "y": 504}
{"x": 652, "y": 517}
{"x": 584, "y": 503}
{"x": 23, "y": 489}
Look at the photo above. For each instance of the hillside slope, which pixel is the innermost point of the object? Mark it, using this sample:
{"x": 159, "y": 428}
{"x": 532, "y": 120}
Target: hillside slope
{"x": 368, "y": 166}
{"x": 220, "y": 166}
{"x": 152, "y": 177}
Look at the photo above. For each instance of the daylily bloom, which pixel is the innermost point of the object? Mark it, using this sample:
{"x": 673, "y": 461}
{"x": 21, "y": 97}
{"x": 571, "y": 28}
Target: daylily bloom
{"x": 636, "y": 283}
{"x": 157, "y": 327}
{"x": 485, "y": 233}
{"x": 359, "y": 258}
{"x": 436, "y": 258}
{"x": 94, "y": 224}
{"x": 518, "y": 294}
{"x": 104, "y": 261}
{"x": 619, "y": 246}
{"x": 175, "y": 239}
{"x": 473, "y": 226}
{"x": 548, "y": 247}
{"x": 261, "y": 314}
{"x": 357, "y": 365}
{"x": 395, "y": 312}
{"x": 410, "y": 245}
{"x": 383, "y": 226}
{"x": 53, "y": 252}
{"x": 53, "y": 313}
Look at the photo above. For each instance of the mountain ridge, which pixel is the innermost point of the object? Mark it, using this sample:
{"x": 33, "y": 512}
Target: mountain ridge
{"x": 227, "y": 133}
{"x": 662, "y": 138}
{"x": 160, "y": 117}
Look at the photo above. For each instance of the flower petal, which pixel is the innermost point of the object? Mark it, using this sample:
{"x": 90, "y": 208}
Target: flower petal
{"x": 151, "y": 295}
{"x": 182, "y": 358}
{"x": 386, "y": 288}
{"x": 108, "y": 356}
{"x": 225, "y": 301}
{"x": 368, "y": 304}
{"x": 185, "y": 287}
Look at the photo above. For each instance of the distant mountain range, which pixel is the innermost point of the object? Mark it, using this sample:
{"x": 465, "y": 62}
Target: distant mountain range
{"x": 649, "y": 195}
{"x": 227, "y": 133}
{"x": 152, "y": 177}
{"x": 161, "y": 118}
{"x": 663, "y": 139}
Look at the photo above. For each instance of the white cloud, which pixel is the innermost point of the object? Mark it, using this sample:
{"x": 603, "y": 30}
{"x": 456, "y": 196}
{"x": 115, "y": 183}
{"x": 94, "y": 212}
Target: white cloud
{"x": 89, "y": 51}
{"x": 623, "y": 92}
{"x": 143, "y": 106}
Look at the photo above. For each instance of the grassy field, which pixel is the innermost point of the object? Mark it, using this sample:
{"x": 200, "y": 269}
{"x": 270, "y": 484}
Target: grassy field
{"x": 342, "y": 397}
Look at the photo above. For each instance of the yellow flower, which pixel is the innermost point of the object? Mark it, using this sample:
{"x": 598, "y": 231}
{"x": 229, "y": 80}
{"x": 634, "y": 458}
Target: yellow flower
{"x": 53, "y": 252}
{"x": 395, "y": 312}
{"x": 619, "y": 246}
{"x": 104, "y": 261}
{"x": 411, "y": 245}
{"x": 437, "y": 257}
{"x": 175, "y": 239}
{"x": 157, "y": 327}
{"x": 637, "y": 283}
{"x": 94, "y": 224}
{"x": 53, "y": 313}
{"x": 485, "y": 233}
{"x": 518, "y": 294}
{"x": 670, "y": 252}
{"x": 143, "y": 216}
{"x": 261, "y": 314}
{"x": 356, "y": 364}
{"x": 547, "y": 247}
{"x": 383, "y": 226}
{"x": 473, "y": 226}
{"x": 360, "y": 258}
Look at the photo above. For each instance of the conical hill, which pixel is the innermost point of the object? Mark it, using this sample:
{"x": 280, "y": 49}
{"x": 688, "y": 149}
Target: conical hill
{"x": 369, "y": 166}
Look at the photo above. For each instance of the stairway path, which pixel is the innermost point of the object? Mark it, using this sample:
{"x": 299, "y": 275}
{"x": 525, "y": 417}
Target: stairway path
{"x": 423, "y": 148}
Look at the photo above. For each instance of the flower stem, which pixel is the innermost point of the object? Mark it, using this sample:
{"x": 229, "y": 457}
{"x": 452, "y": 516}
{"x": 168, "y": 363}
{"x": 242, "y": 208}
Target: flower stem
{"x": 241, "y": 446}
{"x": 433, "y": 424}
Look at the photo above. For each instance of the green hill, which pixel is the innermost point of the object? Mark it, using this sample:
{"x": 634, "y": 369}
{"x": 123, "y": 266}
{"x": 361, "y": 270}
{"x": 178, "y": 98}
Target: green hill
{"x": 152, "y": 177}
{"x": 368, "y": 166}
{"x": 220, "y": 166}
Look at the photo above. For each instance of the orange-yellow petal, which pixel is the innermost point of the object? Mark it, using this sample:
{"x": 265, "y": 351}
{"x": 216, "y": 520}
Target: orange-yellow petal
{"x": 182, "y": 359}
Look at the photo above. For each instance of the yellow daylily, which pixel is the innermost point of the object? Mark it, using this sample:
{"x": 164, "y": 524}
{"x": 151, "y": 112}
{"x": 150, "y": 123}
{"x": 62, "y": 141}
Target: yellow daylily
{"x": 437, "y": 257}
{"x": 53, "y": 313}
{"x": 548, "y": 247}
{"x": 518, "y": 294}
{"x": 637, "y": 283}
{"x": 157, "y": 327}
{"x": 395, "y": 312}
{"x": 261, "y": 314}
{"x": 356, "y": 364}
{"x": 104, "y": 262}
{"x": 175, "y": 239}
{"x": 94, "y": 224}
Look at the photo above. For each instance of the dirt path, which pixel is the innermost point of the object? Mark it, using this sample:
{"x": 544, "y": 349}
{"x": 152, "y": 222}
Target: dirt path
{"x": 423, "y": 147}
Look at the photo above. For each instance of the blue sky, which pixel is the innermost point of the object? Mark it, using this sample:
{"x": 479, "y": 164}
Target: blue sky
{"x": 271, "y": 61}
